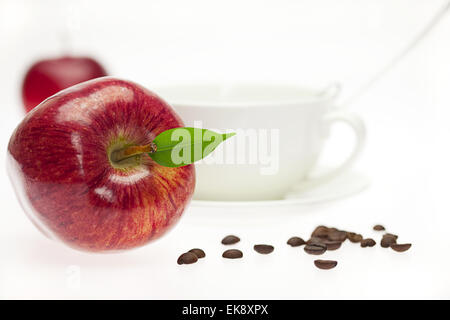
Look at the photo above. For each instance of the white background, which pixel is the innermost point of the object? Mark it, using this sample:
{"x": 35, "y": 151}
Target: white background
{"x": 306, "y": 42}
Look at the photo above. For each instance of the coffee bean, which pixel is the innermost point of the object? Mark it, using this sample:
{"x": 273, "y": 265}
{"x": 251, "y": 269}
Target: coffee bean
{"x": 386, "y": 243}
{"x": 232, "y": 254}
{"x": 337, "y": 235}
{"x": 325, "y": 264}
{"x": 263, "y": 248}
{"x": 378, "y": 227}
{"x": 230, "y": 240}
{"x": 315, "y": 248}
{"x": 320, "y": 232}
{"x": 354, "y": 237}
{"x": 198, "y": 252}
{"x": 368, "y": 243}
{"x": 187, "y": 258}
{"x": 296, "y": 242}
{"x": 315, "y": 240}
{"x": 388, "y": 239}
{"x": 400, "y": 247}
{"x": 333, "y": 245}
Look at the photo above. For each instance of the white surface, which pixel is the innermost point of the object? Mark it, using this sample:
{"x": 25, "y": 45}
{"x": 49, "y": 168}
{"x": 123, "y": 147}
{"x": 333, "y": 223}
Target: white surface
{"x": 407, "y": 154}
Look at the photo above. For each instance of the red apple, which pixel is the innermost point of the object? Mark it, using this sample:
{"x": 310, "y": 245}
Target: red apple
{"x": 47, "y": 77}
{"x": 61, "y": 167}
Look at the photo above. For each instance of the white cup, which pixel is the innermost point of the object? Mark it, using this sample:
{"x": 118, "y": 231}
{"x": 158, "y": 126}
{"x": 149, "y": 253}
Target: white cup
{"x": 300, "y": 117}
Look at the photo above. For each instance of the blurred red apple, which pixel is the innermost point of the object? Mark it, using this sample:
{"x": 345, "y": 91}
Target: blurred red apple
{"x": 47, "y": 77}
{"x": 69, "y": 185}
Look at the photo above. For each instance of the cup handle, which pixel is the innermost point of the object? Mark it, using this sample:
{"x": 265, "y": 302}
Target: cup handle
{"x": 356, "y": 123}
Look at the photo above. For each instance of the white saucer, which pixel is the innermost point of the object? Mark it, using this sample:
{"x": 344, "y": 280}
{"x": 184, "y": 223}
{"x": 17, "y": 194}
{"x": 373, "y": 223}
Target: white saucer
{"x": 344, "y": 185}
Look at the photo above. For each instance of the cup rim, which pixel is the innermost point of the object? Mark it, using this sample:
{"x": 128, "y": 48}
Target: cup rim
{"x": 314, "y": 95}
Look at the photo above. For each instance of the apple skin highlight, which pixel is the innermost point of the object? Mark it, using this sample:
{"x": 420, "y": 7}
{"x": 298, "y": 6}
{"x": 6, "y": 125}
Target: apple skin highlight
{"x": 60, "y": 166}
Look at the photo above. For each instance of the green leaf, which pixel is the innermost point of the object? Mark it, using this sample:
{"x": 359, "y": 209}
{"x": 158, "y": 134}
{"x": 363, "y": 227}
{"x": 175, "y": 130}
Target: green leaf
{"x": 182, "y": 146}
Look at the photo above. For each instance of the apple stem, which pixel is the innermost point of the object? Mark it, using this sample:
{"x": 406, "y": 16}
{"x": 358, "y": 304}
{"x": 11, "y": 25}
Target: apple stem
{"x": 132, "y": 151}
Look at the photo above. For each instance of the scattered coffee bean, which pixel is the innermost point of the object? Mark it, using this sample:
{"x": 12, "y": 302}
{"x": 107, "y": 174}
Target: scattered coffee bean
{"x": 368, "y": 243}
{"x": 320, "y": 232}
{"x": 400, "y": 247}
{"x": 230, "y": 240}
{"x": 187, "y": 258}
{"x": 322, "y": 239}
{"x": 315, "y": 248}
{"x": 198, "y": 252}
{"x": 354, "y": 237}
{"x": 390, "y": 235}
{"x": 325, "y": 264}
{"x": 388, "y": 239}
{"x": 337, "y": 235}
{"x": 386, "y": 243}
{"x": 263, "y": 248}
{"x": 315, "y": 240}
{"x": 333, "y": 245}
{"x": 232, "y": 254}
{"x": 296, "y": 242}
